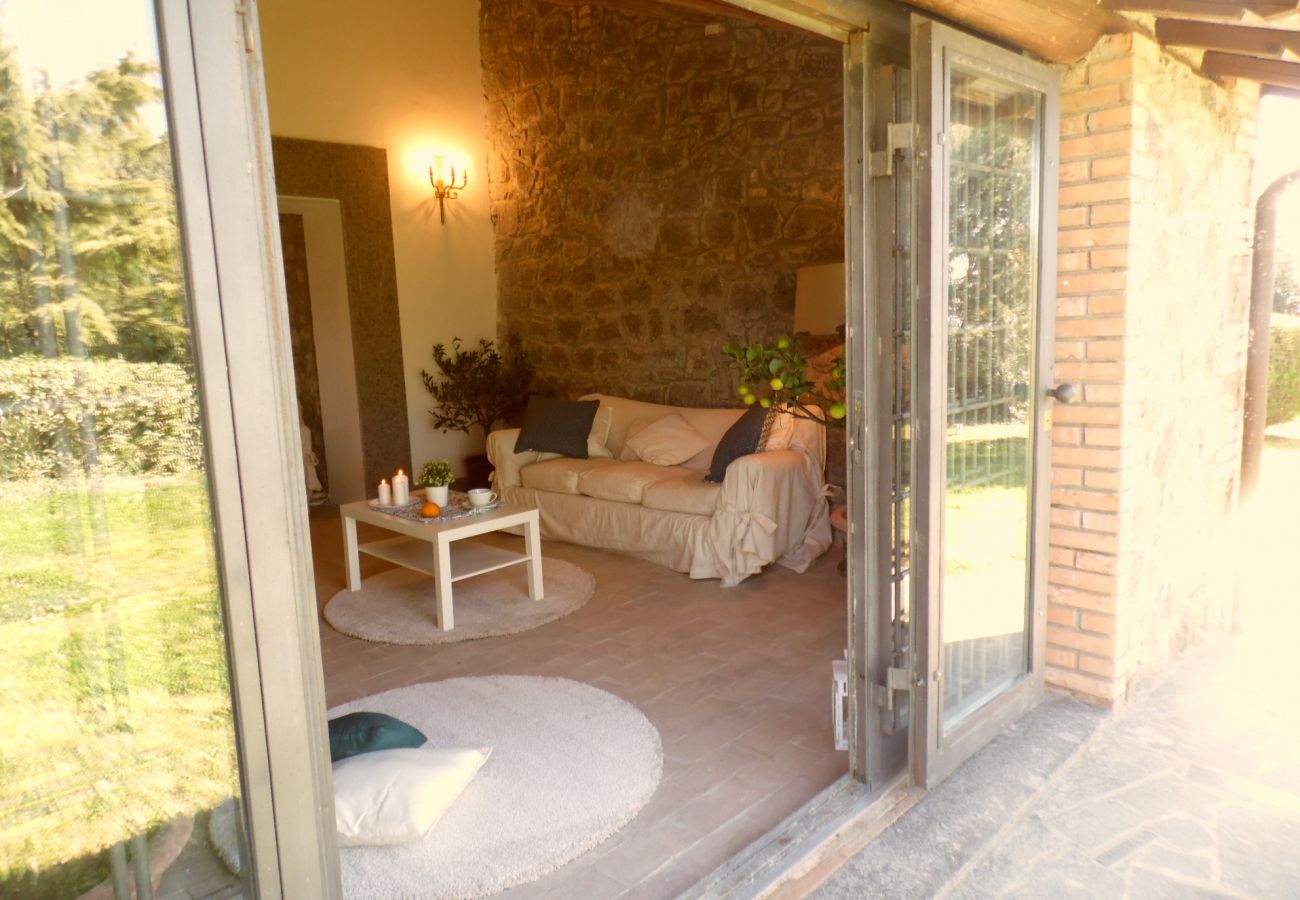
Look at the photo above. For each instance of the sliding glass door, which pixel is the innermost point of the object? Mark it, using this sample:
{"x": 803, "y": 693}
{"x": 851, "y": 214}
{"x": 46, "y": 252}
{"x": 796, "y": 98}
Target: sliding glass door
{"x": 144, "y": 558}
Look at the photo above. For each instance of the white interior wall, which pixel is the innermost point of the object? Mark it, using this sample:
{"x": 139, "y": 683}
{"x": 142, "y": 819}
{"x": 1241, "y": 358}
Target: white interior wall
{"x": 405, "y": 76}
{"x": 332, "y": 336}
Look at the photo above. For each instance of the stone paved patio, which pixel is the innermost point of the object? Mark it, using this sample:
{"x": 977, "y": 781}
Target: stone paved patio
{"x": 1192, "y": 789}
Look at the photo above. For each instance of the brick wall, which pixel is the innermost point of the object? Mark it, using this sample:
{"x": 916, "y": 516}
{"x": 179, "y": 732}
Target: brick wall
{"x": 1151, "y": 291}
{"x": 656, "y": 181}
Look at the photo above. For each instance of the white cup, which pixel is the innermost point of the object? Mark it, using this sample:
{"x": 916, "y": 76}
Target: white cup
{"x": 479, "y": 497}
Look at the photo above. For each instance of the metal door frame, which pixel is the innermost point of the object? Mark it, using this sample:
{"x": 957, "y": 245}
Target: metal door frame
{"x": 935, "y": 49}
{"x": 218, "y": 124}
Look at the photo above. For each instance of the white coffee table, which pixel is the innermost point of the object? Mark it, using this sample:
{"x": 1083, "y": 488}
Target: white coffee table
{"x": 426, "y": 547}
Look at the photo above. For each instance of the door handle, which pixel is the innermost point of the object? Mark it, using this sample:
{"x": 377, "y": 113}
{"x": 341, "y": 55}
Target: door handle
{"x": 1064, "y": 393}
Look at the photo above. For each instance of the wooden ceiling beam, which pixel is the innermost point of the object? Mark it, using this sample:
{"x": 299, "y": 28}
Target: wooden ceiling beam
{"x": 1220, "y": 10}
{"x": 1269, "y": 43}
{"x": 847, "y": 15}
{"x": 1266, "y": 71}
{"x": 834, "y": 19}
{"x": 1060, "y": 31}
{"x": 697, "y": 10}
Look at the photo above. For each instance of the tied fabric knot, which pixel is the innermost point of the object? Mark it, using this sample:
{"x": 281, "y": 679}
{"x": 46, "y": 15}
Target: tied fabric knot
{"x": 750, "y": 520}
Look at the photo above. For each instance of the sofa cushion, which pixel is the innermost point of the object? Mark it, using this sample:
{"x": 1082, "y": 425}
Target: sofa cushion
{"x": 597, "y": 438}
{"x": 743, "y": 438}
{"x": 668, "y": 441}
{"x": 628, "y": 454}
{"x": 624, "y": 482}
{"x": 700, "y": 462}
{"x": 560, "y": 475}
{"x": 712, "y": 423}
{"x": 686, "y": 494}
{"x": 557, "y": 426}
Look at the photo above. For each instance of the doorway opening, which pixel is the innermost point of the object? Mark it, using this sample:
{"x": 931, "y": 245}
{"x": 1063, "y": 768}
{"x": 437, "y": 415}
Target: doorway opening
{"x": 670, "y": 264}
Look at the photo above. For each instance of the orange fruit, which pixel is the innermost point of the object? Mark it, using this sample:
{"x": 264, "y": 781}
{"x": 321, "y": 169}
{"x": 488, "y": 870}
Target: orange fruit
{"x": 430, "y": 510}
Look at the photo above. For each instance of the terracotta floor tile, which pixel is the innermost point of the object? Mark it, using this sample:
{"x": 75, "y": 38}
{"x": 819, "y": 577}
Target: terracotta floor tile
{"x": 736, "y": 680}
{"x": 646, "y": 851}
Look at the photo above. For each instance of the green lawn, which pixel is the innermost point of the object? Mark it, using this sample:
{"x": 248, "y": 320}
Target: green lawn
{"x": 116, "y": 714}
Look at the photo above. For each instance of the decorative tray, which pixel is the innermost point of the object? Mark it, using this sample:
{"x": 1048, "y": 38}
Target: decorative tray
{"x": 415, "y": 501}
{"x": 456, "y": 507}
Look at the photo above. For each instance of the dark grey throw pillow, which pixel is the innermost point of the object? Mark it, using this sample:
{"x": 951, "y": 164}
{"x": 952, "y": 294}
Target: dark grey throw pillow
{"x": 743, "y": 438}
{"x": 366, "y": 732}
{"x": 557, "y": 426}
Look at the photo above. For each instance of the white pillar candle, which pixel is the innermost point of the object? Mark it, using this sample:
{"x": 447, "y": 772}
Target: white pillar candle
{"x": 401, "y": 489}
{"x": 385, "y": 493}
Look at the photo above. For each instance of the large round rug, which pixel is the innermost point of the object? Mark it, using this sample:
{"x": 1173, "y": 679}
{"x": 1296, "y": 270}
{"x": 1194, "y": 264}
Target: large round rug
{"x": 396, "y": 606}
{"x": 571, "y": 765}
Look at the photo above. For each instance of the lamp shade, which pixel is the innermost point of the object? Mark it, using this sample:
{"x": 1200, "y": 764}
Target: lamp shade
{"x": 819, "y": 298}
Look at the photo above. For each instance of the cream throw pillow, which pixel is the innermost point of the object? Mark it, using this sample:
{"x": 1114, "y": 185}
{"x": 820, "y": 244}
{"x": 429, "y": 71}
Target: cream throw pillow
{"x": 669, "y": 441}
{"x": 637, "y": 426}
{"x": 395, "y": 796}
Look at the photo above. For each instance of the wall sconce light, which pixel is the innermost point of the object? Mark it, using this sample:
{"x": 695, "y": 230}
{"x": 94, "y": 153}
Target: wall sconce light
{"x": 443, "y": 188}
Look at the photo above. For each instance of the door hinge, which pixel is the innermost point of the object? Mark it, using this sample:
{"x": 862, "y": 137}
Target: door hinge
{"x": 250, "y": 46}
{"x": 898, "y": 140}
{"x": 896, "y": 679}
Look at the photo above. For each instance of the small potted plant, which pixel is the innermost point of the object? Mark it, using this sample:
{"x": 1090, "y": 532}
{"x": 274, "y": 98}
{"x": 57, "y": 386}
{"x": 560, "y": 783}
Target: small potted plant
{"x": 436, "y": 477}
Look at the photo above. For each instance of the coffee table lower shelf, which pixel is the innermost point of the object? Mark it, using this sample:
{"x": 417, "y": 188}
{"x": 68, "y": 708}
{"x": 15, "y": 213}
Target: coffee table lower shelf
{"x": 468, "y": 560}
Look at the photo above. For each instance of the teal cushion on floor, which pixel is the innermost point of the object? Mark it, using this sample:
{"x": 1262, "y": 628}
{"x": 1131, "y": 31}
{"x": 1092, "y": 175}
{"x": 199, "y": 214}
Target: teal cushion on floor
{"x": 365, "y": 732}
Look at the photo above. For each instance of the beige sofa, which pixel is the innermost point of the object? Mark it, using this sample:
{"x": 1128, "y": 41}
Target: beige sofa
{"x": 771, "y": 507}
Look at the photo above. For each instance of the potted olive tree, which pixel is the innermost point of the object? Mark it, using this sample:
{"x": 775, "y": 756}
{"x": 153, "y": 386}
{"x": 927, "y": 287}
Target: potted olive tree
{"x": 478, "y": 386}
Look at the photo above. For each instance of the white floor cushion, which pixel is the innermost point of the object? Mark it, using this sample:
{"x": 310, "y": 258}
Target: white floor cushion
{"x": 395, "y": 796}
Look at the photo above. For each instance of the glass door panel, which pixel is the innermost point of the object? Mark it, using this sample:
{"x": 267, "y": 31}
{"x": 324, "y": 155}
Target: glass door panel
{"x": 987, "y": 123}
{"x": 992, "y": 174}
{"x": 117, "y": 737}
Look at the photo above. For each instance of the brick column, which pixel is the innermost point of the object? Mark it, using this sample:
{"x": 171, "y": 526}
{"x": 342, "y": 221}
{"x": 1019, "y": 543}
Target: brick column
{"x": 1154, "y": 174}
{"x": 1095, "y": 202}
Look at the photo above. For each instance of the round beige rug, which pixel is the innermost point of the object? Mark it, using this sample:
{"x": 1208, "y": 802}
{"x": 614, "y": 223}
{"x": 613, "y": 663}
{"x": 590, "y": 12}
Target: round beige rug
{"x": 397, "y": 606}
{"x": 570, "y": 766}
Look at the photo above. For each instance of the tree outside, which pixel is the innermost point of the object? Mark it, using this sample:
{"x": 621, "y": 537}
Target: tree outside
{"x": 1286, "y": 286}
{"x": 116, "y": 720}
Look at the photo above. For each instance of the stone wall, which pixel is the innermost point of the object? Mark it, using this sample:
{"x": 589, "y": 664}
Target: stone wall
{"x": 1189, "y": 296}
{"x": 655, "y": 180}
{"x": 1151, "y": 323}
